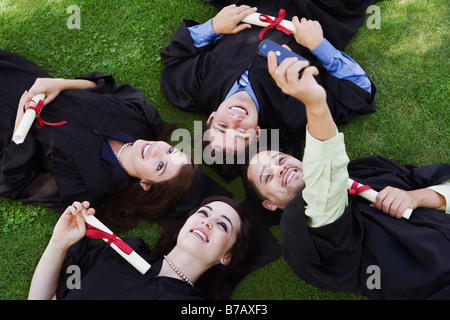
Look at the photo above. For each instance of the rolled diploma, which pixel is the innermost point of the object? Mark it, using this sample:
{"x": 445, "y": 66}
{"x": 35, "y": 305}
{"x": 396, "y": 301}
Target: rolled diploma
{"x": 26, "y": 122}
{"x": 371, "y": 195}
{"x": 133, "y": 258}
{"x": 253, "y": 18}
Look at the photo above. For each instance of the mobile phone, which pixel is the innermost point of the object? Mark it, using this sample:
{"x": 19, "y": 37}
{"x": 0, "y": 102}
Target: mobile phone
{"x": 280, "y": 52}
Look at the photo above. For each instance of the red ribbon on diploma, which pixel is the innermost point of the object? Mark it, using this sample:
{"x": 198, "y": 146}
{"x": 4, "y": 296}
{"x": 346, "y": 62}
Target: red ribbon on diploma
{"x": 354, "y": 190}
{"x": 38, "y": 108}
{"x": 275, "y": 24}
{"x": 96, "y": 233}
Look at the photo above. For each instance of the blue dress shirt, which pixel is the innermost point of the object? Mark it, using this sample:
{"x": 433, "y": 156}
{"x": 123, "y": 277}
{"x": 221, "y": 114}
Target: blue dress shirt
{"x": 337, "y": 63}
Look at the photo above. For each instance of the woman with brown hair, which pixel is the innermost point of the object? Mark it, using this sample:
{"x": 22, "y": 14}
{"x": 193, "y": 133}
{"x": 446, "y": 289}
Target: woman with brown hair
{"x": 215, "y": 239}
{"x": 110, "y": 145}
{"x": 133, "y": 203}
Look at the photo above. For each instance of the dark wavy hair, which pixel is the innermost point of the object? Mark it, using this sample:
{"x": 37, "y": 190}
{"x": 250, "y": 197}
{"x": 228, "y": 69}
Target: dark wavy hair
{"x": 131, "y": 203}
{"x": 219, "y": 281}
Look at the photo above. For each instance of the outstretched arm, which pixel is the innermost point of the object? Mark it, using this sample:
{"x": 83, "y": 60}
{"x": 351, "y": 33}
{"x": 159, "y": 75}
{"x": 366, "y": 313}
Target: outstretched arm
{"x": 69, "y": 229}
{"x": 306, "y": 89}
{"x": 325, "y": 160}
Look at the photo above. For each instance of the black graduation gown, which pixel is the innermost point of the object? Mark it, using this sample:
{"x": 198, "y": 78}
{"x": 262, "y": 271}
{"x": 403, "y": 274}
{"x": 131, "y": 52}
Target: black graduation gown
{"x": 412, "y": 255}
{"x": 105, "y": 275}
{"x": 55, "y": 166}
{"x": 339, "y": 19}
{"x": 198, "y": 79}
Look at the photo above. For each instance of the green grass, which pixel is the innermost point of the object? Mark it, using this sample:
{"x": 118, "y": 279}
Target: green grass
{"x": 408, "y": 60}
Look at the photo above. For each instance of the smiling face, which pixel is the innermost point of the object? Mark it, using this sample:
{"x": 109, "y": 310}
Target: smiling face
{"x": 210, "y": 232}
{"x": 156, "y": 161}
{"x": 235, "y": 123}
{"x": 277, "y": 176}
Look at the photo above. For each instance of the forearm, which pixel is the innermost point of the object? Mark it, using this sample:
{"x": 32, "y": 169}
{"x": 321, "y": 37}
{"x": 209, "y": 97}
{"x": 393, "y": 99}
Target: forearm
{"x": 341, "y": 66}
{"x": 77, "y": 84}
{"x": 203, "y": 34}
{"x": 46, "y": 276}
{"x": 428, "y": 198}
{"x": 320, "y": 121}
{"x": 325, "y": 176}
{"x": 443, "y": 189}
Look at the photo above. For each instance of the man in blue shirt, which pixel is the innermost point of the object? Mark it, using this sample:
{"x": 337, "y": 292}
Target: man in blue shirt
{"x": 213, "y": 68}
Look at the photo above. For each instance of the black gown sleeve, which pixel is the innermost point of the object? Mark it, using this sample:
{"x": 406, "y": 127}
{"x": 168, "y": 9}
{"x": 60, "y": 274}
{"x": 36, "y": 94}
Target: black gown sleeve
{"x": 54, "y": 165}
{"x": 126, "y": 95}
{"x": 327, "y": 257}
{"x": 336, "y": 256}
{"x": 185, "y": 67}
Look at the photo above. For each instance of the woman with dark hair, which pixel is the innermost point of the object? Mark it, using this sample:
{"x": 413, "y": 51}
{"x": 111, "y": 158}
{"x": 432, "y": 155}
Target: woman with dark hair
{"x": 111, "y": 140}
{"x": 216, "y": 235}
{"x": 133, "y": 203}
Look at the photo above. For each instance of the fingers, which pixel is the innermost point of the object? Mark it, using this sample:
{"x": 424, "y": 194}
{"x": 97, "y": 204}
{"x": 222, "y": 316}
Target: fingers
{"x": 393, "y": 201}
{"x": 286, "y": 47}
{"x": 78, "y": 207}
{"x": 272, "y": 62}
{"x": 227, "y": 21}
{"x": 37, "y": 88}
{"x": 241, "y": 27}
{"x": 310, "y": 72}
{"x": 288, "y": 70}
{"x": 23, "y": 99}
{"x": 244, "y": 10}
{"x": 309, "y": 32}
{"x": 240, "y": 13}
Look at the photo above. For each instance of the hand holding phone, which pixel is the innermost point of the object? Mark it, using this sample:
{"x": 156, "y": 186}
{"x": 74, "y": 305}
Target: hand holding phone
{"x": 280, "y": 52}
{"x": 303, "y": 86}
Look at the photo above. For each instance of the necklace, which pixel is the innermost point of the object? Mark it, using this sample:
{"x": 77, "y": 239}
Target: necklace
{"x": 121, "y": 149}
{"x": 178, "y": 272}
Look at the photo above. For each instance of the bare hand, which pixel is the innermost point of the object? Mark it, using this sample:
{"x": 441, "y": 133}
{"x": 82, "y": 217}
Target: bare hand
{"x": 50, "y": 86}
{"x": 227, "y": 21}
{"x": 394, "y": 201}
{"x": 71, "y": 226}
{"x": 309, "y": 32}
{"x": 21, "y": 108}
{"x": 306, "y": 88}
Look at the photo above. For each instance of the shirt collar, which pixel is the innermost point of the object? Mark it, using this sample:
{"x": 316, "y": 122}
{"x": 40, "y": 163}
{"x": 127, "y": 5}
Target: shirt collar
{"x": 248, "y": 88}
{"x": 118, "y": 175}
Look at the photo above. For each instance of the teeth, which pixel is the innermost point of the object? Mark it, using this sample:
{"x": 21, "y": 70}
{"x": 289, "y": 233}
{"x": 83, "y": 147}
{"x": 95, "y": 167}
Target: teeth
{"x": 290, "y": 177}
{"x": 201, "y": 234}
{"x": 145, "y": 150}
{"x": 239, "y": 110}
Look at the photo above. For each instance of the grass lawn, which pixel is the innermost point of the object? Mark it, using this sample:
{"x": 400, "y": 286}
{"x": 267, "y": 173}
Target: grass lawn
{"x": 407, "y": 58}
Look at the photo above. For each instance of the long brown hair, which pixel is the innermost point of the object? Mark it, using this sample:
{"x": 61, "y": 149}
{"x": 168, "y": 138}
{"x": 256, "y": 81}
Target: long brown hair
{"x": 219, "y": 281}
{"x": 132, "y": 203}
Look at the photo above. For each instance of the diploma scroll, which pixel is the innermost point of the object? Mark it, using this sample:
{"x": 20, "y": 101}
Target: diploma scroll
{"x": 371, "y": 195}
{"x": 254, "y": 18}
{"x": 133, "y": 258}
{"x": 27, "y": 120}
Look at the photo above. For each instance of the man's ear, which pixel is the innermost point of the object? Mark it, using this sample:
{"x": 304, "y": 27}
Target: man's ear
{"x": 211, "y": 116}
{"x": 258, "y": 131}
{"x": 226, "y": 259}
{"x": 269, "y": 205}
{"x": 145, "y": 185}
